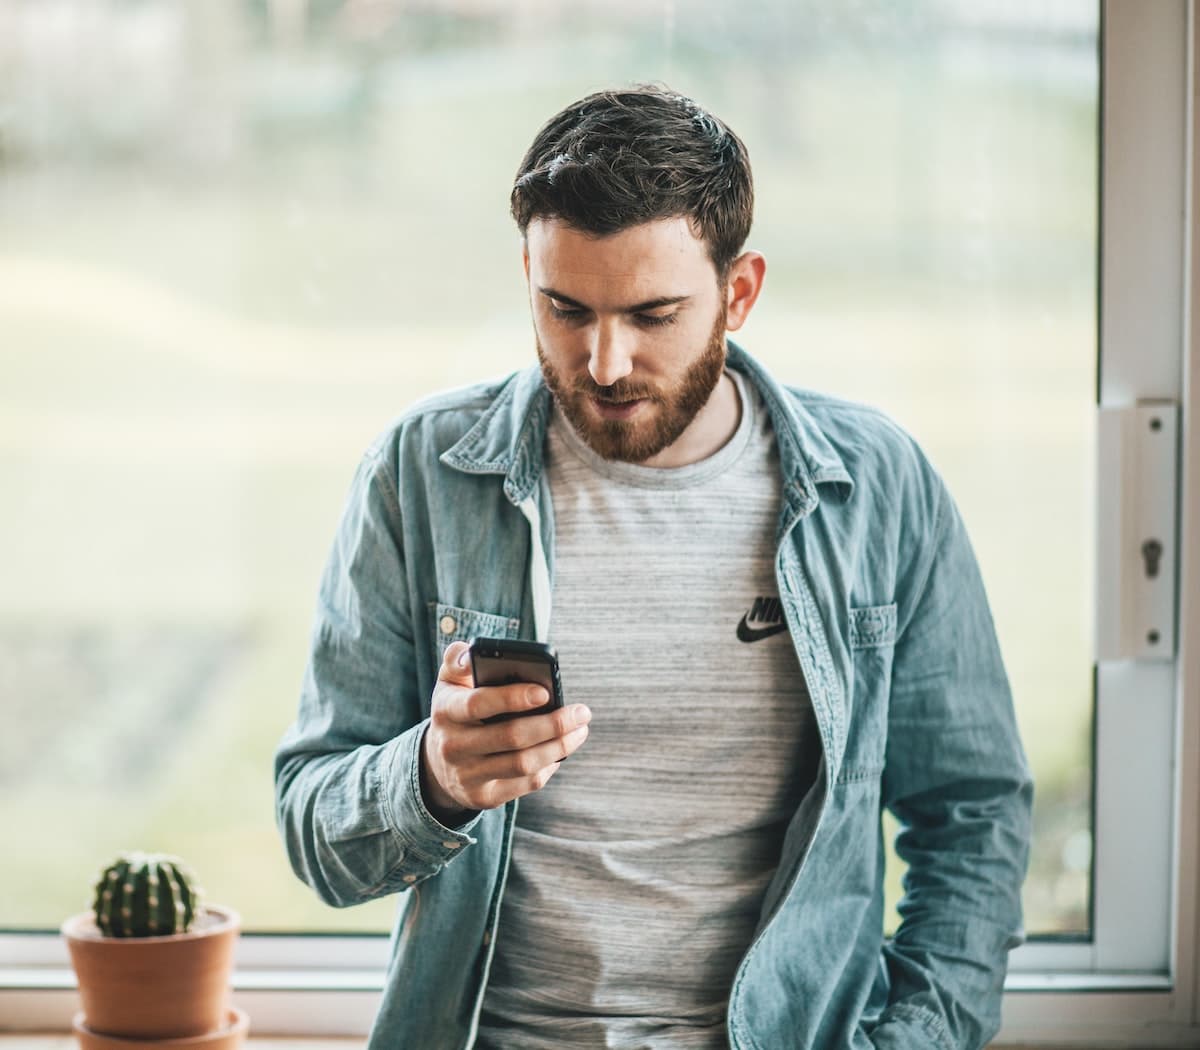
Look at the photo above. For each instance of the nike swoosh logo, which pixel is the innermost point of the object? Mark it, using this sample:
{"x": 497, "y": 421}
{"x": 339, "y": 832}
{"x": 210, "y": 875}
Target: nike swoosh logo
{"x": 746, "y": 633}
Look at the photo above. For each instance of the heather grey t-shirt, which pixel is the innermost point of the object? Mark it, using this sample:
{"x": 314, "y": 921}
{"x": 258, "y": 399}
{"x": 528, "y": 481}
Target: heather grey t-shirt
{"x": 638, "y": 872}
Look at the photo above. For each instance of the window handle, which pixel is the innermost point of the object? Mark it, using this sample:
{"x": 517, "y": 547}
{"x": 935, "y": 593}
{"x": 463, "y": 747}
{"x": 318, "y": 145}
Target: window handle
{"x": 1137, "y": 494}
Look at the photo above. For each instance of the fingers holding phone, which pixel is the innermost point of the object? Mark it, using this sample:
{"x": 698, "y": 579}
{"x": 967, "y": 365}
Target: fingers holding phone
{"x": 498, "y": 727}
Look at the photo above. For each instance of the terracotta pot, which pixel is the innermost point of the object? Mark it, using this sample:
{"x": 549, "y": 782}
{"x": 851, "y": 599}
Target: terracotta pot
{"x": 155, "y": 987}
{"x": 228, "y": 1037}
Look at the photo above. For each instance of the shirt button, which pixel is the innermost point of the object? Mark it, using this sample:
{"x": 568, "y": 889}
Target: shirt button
{"x": 410, "y": 878}
{"x": 448, "y": 624}
{"x": 451, "y": 845}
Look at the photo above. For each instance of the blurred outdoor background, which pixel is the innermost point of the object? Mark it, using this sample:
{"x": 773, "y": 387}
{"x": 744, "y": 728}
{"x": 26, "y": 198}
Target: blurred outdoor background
{"x": 238, "y": 236}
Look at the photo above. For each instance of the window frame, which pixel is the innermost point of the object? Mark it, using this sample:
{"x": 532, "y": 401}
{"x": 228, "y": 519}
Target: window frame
{"x": 1138, "y": 978}
{"x": 1137, "y": 982}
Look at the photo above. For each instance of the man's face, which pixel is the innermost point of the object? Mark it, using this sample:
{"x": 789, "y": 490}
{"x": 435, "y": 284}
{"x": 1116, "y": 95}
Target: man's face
{"x": 630, "y": 330}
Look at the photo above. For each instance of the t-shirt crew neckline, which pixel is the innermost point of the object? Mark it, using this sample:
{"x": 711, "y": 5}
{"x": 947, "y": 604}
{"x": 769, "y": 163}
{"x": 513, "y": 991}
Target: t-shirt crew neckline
{"x": 639, "y": 476}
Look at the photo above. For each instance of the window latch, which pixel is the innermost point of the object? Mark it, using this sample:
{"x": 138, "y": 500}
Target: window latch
{"x": 1137, "y": 493}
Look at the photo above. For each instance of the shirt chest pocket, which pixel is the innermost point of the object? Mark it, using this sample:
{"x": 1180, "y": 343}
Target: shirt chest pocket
{"x": 453, "y": 623}
{"x": 872, "y": 644}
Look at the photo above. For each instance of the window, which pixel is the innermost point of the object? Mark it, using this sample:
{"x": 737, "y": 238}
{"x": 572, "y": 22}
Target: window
{"x": 218, "y": 284}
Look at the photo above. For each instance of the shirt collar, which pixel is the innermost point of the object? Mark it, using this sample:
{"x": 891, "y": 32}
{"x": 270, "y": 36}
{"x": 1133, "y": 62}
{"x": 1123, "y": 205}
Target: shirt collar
{"x": 509, "y": 437}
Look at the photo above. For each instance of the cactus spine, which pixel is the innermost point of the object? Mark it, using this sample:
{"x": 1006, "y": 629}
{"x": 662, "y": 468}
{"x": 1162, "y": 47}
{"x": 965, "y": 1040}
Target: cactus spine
{"x": 146, "y": 895}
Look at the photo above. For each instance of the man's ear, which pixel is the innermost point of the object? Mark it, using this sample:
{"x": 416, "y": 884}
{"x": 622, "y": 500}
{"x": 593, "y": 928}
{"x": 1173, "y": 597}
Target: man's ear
{"x": 525, "y": 257}
{"x": 745, "y": 281}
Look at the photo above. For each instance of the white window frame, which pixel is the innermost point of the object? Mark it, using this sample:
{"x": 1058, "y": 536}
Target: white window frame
{"x": 1137, "y": 981}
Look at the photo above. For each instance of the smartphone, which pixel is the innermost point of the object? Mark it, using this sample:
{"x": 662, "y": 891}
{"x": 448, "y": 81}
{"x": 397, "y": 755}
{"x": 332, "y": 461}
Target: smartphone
{"x": 503, "y": 661}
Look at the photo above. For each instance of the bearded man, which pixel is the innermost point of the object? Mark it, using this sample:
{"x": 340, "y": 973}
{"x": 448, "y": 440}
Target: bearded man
{"x": 771, "y": 627}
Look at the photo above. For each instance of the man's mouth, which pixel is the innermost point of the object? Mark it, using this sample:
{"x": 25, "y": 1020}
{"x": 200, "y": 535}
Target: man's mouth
{"x": 617, "y": 409}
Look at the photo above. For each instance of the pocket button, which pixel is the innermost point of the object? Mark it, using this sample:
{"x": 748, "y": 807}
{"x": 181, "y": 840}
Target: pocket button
{"x": 447, "y": 625}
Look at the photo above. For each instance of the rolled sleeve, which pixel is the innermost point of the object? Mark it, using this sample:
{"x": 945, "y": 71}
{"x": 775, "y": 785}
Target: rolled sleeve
{"x": 427, "y": 845}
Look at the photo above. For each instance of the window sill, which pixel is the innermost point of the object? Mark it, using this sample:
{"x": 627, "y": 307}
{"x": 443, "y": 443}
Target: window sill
{"x": 60, "y": 1041}
{"x": 1040, "y": 1010}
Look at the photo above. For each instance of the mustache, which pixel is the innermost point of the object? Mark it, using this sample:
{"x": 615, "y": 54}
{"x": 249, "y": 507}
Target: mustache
{"x": 617, "y": 392}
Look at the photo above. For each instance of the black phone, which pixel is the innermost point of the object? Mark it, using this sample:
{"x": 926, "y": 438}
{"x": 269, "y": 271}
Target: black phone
{"x": 503, "y": 661}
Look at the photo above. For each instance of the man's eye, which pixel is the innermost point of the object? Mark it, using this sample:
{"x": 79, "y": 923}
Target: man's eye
{"x": 653, "y": 320}
{"x": 566, "y": 313}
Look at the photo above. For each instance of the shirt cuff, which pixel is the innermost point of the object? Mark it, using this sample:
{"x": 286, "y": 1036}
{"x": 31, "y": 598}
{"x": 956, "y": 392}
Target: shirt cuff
{"x": 420, "y": 832}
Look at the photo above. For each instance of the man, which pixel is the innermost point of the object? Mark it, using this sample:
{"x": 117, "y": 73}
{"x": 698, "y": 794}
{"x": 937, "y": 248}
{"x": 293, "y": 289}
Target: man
{"x": 770, "y": 624}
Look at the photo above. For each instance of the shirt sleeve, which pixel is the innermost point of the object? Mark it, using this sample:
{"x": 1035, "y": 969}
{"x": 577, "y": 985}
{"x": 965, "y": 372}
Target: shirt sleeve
{"x": 347, "y": 774}
{"x": 957, "y": 780}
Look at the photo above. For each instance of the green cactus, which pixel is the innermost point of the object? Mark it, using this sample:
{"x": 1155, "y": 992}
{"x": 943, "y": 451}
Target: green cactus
{"x": 146, "y": 895}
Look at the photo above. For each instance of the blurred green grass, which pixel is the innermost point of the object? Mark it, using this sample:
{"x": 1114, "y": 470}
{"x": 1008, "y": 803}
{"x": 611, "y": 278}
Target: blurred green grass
{"x": 212, "y": 499}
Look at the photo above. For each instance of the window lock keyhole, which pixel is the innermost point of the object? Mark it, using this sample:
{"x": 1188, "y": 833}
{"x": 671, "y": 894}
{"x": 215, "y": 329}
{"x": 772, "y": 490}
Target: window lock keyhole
{"x": 1152, "y": 554}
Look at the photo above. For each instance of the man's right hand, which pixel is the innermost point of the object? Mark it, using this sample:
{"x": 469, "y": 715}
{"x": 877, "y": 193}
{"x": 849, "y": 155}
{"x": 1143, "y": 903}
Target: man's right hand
{"x": 467, "y": 765}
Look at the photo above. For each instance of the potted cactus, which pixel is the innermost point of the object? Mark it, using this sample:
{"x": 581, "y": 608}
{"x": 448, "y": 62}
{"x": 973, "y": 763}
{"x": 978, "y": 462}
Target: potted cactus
{"x": 153, "y": 961}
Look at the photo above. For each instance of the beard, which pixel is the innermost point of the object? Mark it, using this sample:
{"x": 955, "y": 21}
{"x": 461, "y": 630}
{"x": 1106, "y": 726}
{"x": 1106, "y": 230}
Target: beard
{"x": 659, "y": 423}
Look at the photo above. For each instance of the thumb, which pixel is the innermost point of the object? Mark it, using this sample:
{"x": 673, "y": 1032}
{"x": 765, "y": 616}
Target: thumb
{"x": 456, "y": 665}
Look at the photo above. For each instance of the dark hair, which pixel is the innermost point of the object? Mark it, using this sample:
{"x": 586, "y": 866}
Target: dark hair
{"x": 616, "y": 159}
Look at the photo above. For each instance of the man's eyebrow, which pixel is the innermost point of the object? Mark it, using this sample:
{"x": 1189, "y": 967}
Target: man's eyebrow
{"x": 637, "y": 308}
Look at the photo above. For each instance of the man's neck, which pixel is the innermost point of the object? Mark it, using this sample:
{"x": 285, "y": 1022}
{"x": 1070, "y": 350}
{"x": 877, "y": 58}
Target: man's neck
{"x": 712, "y": 428}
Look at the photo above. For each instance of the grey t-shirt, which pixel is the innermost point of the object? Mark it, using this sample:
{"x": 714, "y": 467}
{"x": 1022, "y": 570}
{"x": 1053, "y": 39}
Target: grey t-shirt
{"x": 638, "y": 872}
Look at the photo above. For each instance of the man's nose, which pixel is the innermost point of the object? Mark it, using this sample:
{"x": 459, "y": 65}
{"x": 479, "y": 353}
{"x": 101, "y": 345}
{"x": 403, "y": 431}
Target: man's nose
{"x": 611, "y": 356}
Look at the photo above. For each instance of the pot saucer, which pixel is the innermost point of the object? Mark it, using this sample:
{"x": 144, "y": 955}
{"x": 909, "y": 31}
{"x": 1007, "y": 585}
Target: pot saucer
{"x": 228, "y": 1037}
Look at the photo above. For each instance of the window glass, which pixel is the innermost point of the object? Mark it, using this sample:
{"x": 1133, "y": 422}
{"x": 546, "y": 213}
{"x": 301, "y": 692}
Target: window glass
{"x": 238, "y": 236}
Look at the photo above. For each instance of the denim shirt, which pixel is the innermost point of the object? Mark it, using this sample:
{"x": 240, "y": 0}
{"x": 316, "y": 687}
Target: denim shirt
{"x": 448, "y": 533}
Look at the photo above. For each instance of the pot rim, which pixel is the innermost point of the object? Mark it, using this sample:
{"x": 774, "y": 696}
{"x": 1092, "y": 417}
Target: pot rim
{"x": 82, "y": 927}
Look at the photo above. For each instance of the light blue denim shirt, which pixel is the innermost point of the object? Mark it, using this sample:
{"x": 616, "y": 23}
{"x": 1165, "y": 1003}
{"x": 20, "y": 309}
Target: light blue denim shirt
{"x": 448, "y": 533}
